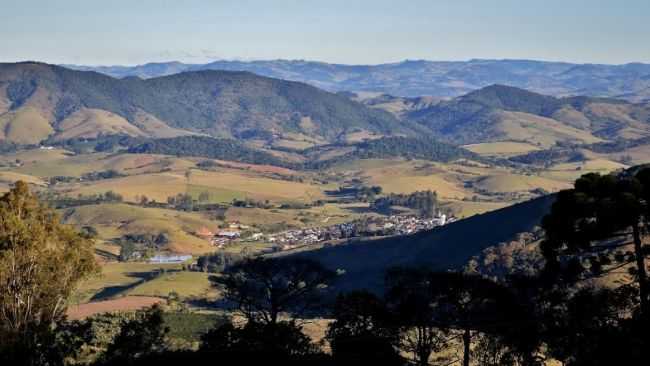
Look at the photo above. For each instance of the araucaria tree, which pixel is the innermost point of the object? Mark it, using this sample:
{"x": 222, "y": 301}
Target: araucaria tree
{"x": 41, "y": 263}
{"x": 263, "y": 288}
{"x": 599, "y": 227}
{"x": 422, "y": 330}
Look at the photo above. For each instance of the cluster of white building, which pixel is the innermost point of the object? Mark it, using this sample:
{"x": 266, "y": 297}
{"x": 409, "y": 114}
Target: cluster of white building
{"x": 289, "y": 239}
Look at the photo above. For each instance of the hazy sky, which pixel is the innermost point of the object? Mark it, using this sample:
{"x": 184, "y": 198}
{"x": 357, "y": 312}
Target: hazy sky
{"x": 343, "y": 31}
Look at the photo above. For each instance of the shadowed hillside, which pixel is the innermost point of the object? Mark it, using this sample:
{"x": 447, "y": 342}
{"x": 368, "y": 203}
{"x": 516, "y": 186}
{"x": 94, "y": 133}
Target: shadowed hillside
{"x": 448, "y": 247}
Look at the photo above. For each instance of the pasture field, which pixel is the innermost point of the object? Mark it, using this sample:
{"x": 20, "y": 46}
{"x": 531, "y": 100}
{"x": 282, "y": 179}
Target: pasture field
{"x": 569, "y": 172}
{"x": 509, "y": 183}
{"x": 127, "y": 303}
{"x": 114, "y": 220}
{"x": 502, "y": 148}
{"x": 116, "y": 278}
{"x": 185, "y": 284}
{"x": 49, "y": 163}
{"x": 464, "y": 209}
{"x": 539, "y": 131}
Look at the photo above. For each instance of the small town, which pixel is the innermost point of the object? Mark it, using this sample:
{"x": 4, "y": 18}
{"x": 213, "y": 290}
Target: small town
{"x": 291, "y": 239}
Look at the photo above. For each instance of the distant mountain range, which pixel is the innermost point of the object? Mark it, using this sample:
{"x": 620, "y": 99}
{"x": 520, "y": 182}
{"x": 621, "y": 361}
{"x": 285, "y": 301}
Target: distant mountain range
{"x": 41, "y": 102}
{"x": 432, "y": 78}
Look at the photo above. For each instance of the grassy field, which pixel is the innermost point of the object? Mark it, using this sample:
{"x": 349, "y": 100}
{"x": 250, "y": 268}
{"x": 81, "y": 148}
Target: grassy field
{"x": 539, "y": 131}
{"x": 26, "y": 125}
{"x": 185, "y": 284}
{"x": 502, "y": 148}
{"x": 115, "y": 220}
{"x": 569, "y": 172}
{"x": 117, "y": 278}
{"x": 506, "y": 183}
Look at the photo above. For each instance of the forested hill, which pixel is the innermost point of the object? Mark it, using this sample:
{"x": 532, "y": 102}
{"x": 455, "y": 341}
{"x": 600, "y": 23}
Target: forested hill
{"x": 424, "y": 148}
{"x": 443, "y": 248}
{"x": 505, "y": 113}
{"x": 38, "y": 101}
{"x": 204, "y": 146}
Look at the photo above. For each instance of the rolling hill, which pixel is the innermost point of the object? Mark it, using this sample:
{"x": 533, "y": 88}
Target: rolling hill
{"x": 504, "y": 113}
{"x": 443, "y": 248}
{"x": 414, "y": 78}
{"x": 38, "y": 101}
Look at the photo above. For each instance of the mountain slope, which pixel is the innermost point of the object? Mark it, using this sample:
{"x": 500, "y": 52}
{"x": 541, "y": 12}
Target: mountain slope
{"x": 444, "y": 248}
{"x": 441, "y": 79}
{"x": 504, "y": 113}
{"x": 218, "y": 103}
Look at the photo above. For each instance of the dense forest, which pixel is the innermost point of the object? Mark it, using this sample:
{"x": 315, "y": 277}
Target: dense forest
{"x": 425, "y": 202}
{"x": 208, "y": 147}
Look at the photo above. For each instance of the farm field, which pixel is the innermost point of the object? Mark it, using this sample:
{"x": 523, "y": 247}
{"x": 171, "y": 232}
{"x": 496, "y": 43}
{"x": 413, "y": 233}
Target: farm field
{"x": 502, "y": 148}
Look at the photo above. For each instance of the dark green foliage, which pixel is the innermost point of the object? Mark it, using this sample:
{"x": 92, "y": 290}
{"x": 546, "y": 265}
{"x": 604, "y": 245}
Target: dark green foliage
{"x": 127, "y": 250}
{"x": 207, "y": 147}
{"x": 249, "y": 202}
{"x": 206, "y": 164}
{"x": 586, "y": 224}
{"x": 409, "y": 296}
{"x": 278, "y": 341}
{"x": 262, "y": 288}
{"x": 8, "y": 147}
{"x": 513, "y": 99}
{"x": 20, "y": 90}
{"x": 217, "y": 262}
{"x": 190, "y": 327}
{"x": 425, "y": 148}
{"x": 425, "y": 202}
{"x": 548, "y": 157}
{"x": 363, "y": 330}
{"x": 89, "y": 232}
{"x": 181, "y": 201}
{"x": 138, "y": 337}
{"x": 585, "y": 327}
{"x": 411, "y": 148}
{"x": 106, "y": 174}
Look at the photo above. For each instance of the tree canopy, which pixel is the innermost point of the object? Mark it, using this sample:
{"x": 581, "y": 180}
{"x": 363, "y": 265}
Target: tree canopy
{"x": 41, "y": 263}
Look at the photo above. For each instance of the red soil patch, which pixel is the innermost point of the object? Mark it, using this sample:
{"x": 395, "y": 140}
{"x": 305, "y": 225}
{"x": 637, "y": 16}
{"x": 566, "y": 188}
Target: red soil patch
{"x": 128, "y": 303}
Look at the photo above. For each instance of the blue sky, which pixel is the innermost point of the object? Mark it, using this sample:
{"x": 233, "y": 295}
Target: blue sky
{"x": 342, "y": 31}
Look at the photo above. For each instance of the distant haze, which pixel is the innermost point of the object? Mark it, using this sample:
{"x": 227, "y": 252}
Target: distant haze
{"x": 336, "y": 31}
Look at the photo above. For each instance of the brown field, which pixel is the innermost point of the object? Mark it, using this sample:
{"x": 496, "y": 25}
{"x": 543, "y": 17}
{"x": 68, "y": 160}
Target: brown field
{"x": 128, "y": 303}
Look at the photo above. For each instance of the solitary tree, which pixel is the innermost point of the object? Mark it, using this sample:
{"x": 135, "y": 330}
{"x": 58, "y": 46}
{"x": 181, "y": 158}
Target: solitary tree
{"x": 263, "y": 288}
{"x": 470, "y": 304}
{"x": 41, "y": 263}
{"x": 591, "y": 228}
{"x": 204, "y": 196}
{"x": 415, "y": 305}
